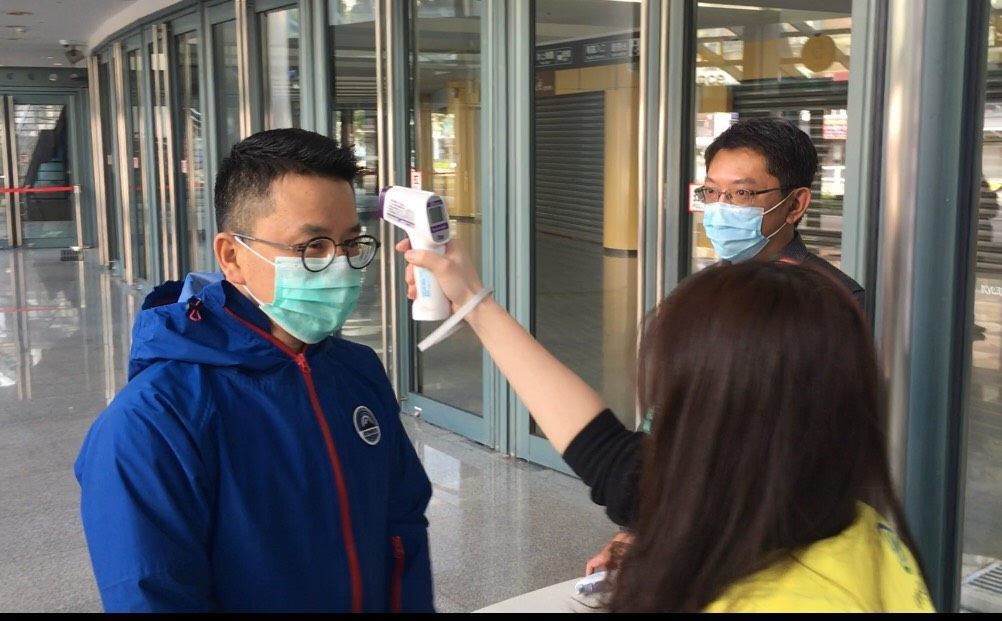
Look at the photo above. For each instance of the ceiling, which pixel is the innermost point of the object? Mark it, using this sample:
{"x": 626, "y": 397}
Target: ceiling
{"x": 30, "y": 30}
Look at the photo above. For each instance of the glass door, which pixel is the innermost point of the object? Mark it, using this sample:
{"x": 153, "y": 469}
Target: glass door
{"x": 281, "y": 55}
{"x": 161, "y": 145}
{"x": 788, "y": 60}
{"x": 585, "y": 198}
{"x": 445, "y": 149}
{"x": 140, "y": 211}
{"x": 7, "y": 183}
{"x": 193, "y": 205}
{"x": 40, "y": 168}
{"x": 225, "y": 68}
{"x": 981, "y": 569}
{"x": 353, "y": 120}
{"x": 113, "y": 213}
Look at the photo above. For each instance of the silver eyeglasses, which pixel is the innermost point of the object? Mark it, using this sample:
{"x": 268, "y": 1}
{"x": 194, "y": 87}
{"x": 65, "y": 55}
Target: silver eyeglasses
{"x": 360, "y": 250}
{"x": 741, "y": 196}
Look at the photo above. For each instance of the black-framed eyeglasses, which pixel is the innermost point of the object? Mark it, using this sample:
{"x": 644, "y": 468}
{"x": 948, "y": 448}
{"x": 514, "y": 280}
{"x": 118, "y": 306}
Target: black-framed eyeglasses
{"x": 741, "y": 197}
{"x": 319, "y": 252}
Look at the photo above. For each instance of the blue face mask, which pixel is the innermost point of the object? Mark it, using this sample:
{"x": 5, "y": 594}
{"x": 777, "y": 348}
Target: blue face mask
{"x": 310, "y": 305}
{"x": 735, "y": 231}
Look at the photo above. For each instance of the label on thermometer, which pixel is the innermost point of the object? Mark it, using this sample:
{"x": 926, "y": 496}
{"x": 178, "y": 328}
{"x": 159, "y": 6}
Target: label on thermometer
{"x": 398, "y": 211}
{"x": 424, "y": 282}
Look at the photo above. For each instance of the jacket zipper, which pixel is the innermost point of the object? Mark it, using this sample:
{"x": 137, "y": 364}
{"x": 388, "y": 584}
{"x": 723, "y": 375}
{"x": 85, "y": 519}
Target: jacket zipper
{"x": 396, "y": 597}
{"x": 346, "y": 530}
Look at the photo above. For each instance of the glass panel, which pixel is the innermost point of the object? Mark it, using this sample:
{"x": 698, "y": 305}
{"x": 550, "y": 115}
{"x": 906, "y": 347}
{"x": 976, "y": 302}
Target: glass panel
{"x": 280, "y": 42}
{"x": 43, "y": 161}
{"x": 445, "y": 150}
{"x": 6, "y": 182}
{"x": 224, "y": 58}
{"x": 982, "y": 531}
{"x": 112, "y": 213}
{"x": 585, "y": 198}
{"x": 158, "y": 106}
{"x": 353, "y": 119}
{"x": 194, "y": 213}
{"x": 787, "y": 60}
{"x": 137, "y": 206}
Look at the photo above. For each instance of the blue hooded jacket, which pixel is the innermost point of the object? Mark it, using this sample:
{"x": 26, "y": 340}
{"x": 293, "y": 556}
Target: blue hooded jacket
{"x": 233, "y": 474}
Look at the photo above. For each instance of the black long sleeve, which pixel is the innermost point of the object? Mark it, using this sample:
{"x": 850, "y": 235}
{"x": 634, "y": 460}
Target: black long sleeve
{"x": 606, "y": 455}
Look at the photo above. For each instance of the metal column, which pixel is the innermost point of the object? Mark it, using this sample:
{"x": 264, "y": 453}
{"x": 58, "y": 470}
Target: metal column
{"x": 934, "y": 108}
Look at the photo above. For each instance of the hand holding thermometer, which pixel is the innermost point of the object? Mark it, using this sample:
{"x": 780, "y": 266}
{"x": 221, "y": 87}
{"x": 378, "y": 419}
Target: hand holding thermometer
{"x": 423, "y": 217}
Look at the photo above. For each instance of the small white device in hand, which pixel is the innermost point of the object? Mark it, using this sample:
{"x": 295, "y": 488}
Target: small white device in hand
{"x": 422, "y": 215}
{"x": 595, "y": 583}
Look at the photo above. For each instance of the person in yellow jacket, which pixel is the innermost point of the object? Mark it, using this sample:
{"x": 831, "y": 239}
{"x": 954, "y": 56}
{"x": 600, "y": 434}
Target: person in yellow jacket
{"x": 764, "y": 483}
{"x": 865, "y": 568}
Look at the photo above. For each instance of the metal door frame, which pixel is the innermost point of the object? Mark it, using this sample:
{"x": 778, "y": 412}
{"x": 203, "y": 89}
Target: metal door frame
{"x": 70, "y": 102}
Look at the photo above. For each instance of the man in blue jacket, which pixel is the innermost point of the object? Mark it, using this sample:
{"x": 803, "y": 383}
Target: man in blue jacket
{"x": 254, "y": 462}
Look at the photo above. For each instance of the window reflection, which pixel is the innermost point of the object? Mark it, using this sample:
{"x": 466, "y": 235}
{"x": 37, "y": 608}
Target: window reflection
{"x": 280, "y": 39}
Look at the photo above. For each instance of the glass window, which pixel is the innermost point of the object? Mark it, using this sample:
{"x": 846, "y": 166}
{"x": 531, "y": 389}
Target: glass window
{"x": 112, "y": 212}
{"x": 194, "y": 213}
{"x": 6, "y": 182}
{"x": 280, "y": 43}
{"x": 227, "y": 88}
{"x": 789, "y": 60}
{"x": 42, "y": 160}
{"x": 353, "y": 122}
{"x": 158, "y": 106}
{"x": 982, "y": 531}
{"x": 585, "y": 176}
{"x": 137, "y": 205}
{"x": 445, "y": 158}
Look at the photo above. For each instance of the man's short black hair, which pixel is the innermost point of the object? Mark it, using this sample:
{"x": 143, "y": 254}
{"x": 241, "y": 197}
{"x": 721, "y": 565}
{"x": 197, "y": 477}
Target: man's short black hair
{"x": 789, "y": 153}
{"x": 243, "y": 185}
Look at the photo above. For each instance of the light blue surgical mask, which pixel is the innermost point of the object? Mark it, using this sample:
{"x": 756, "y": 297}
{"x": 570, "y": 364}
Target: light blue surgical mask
{"x": 310, "y": 305}
{"x": 736, "y": 231}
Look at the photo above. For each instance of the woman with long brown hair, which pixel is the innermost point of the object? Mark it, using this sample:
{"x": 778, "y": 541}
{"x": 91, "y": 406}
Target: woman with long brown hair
{"x": 764, "y": 484}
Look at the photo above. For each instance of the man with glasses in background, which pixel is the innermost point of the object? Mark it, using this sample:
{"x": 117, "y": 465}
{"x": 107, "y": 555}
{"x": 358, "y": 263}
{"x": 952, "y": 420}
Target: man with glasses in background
{"x": 255, "y": 462}
{"x": 756, "y": 191}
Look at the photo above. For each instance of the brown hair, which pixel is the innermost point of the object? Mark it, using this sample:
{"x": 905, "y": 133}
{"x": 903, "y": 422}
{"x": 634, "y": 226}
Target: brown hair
{"x": 767, "y": 430}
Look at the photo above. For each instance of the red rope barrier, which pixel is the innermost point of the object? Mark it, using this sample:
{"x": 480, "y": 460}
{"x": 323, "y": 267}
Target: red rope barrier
{"x": 62, "y": 188}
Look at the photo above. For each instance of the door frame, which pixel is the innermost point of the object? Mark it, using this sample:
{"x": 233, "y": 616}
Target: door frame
{"x": 74, "y": 109}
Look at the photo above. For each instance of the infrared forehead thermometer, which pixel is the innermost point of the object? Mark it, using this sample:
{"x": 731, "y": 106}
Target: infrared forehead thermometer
{"x": 423, "y": 217}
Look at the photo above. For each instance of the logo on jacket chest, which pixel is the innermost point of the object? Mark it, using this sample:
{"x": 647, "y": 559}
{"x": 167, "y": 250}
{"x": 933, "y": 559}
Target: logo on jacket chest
{"x": 366, "y": 425}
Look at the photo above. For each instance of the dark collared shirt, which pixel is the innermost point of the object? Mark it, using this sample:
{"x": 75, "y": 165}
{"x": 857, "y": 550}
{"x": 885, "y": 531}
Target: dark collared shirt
{"x": 797, "y": 252}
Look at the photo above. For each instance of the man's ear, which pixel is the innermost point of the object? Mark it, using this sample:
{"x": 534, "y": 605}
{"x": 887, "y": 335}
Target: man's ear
{"x": 225, "y": 247}
{"x": 798, "y": 206}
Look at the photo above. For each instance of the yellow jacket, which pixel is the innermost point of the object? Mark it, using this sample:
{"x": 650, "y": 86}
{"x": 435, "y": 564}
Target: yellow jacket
{"x": 865, "y": 568}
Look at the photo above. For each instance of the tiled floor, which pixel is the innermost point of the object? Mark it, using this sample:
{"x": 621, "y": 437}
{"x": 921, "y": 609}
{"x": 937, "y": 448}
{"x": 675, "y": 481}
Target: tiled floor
{"x": 499, "y": 526}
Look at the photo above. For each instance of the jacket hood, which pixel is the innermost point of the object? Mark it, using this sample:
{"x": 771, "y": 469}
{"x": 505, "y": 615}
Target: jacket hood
{"x": 212, "y": 327}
